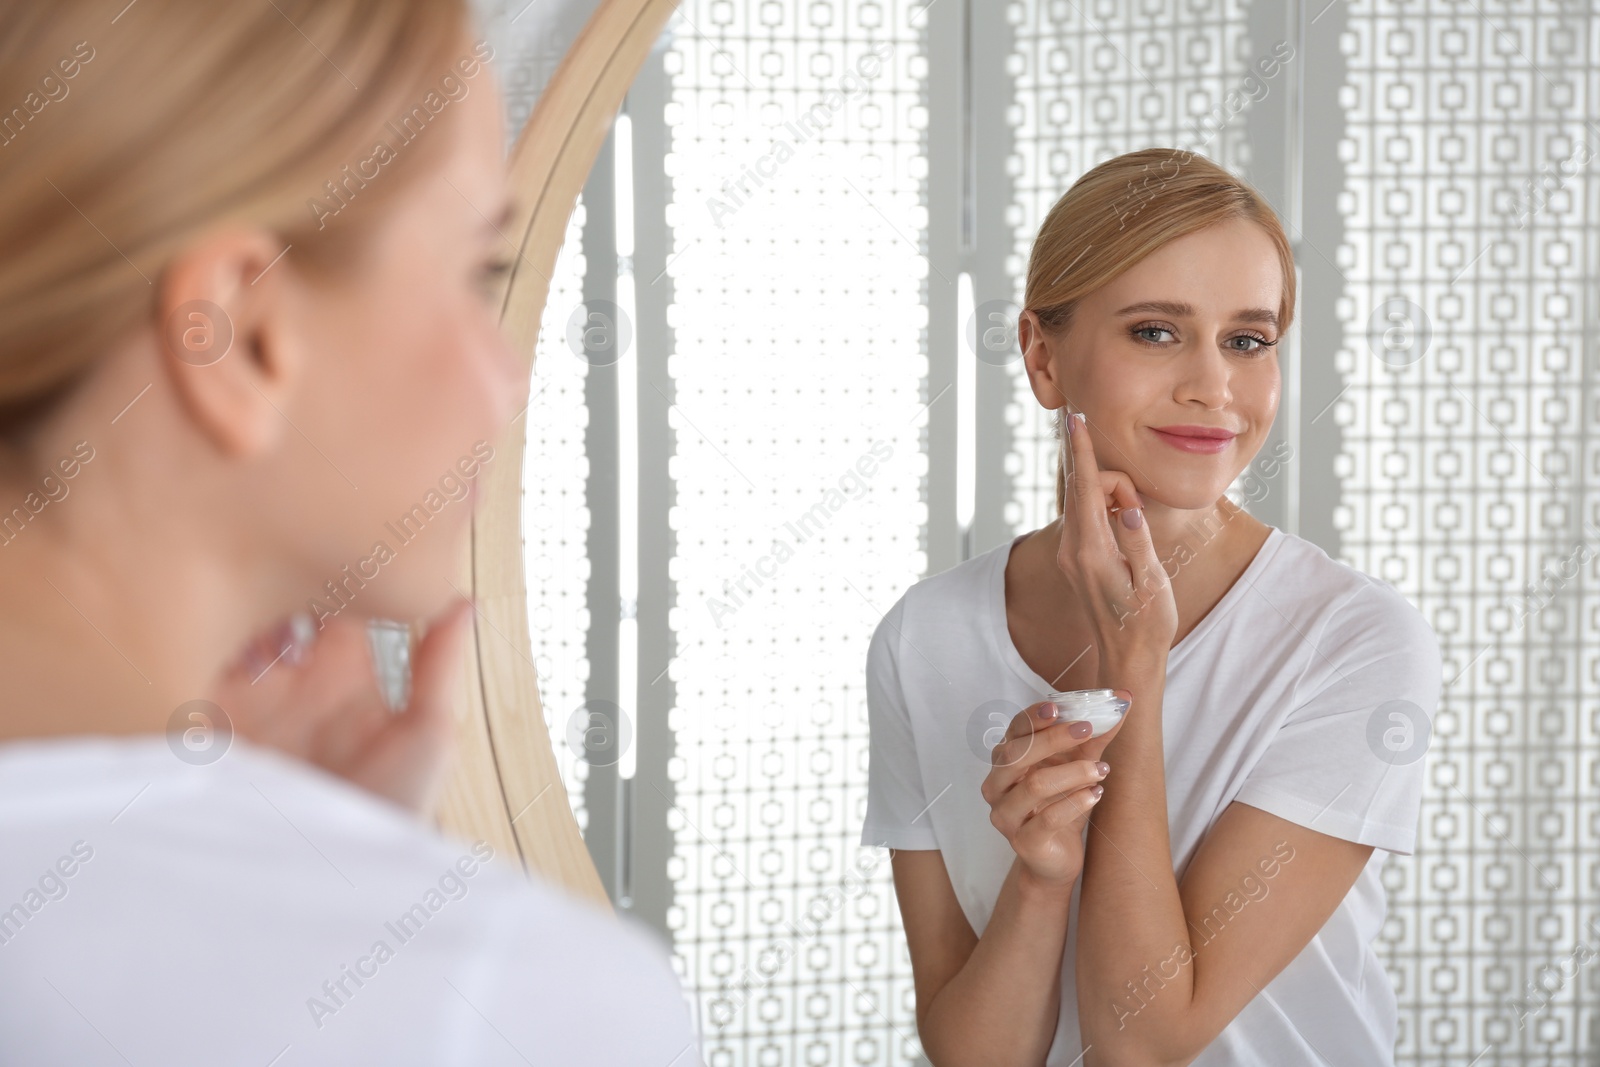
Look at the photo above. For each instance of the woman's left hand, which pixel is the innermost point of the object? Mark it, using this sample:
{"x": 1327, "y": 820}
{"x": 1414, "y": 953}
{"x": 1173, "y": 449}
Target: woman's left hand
{"x": 1111, "y": 564}
{"x": 324, "y": 706}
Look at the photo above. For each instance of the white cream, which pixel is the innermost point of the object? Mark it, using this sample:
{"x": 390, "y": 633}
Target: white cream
{"x": 1102, "y": 708}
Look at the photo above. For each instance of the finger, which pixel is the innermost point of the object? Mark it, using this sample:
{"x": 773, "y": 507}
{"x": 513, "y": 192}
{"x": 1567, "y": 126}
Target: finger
{"x": 342, "y": 704}
{"x": 1012, "y": 759}
{"x": 436, "y": 667}
{"x": 264, "y": 651}
{"x": 1051, "y": 748}
{"x": 1145, "y": 569}
{"x": 1069, "y": 808}
{"x": 1041, "y": 787}
{"x": 1029, "y": 719}
{"x": 405, "y": 761}
{"x": 1119, "y": 491}
{"x": 1084, "y": 484}
{"x": 341, "y": 658}
{"x": 1096, "y": 747}
{"x": 1064, "y": 814}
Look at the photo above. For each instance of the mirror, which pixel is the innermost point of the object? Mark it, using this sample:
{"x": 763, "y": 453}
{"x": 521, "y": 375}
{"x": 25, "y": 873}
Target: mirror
{"x": 505, "y": 787}
{"x": 820, "y": 254}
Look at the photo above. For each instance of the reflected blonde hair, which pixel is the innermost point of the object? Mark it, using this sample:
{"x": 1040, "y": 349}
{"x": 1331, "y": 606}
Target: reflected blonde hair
{"x": 124, "y": 138}
{"x": 1121, "y": 211}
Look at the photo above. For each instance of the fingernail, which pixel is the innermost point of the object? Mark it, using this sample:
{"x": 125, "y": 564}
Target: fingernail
{"x": 1080, "y": 729}
{"x": 269, "y": 649}
{"x": 1098, "y": 791}
{"x": 1131, "y": 518}
{"x": 1072, "y": 420}
{"x": 252, "y": 663}
{"x": 1103, "y": 767}
{"x": 1049, "y": 711}
{"x": 302, "y": 632}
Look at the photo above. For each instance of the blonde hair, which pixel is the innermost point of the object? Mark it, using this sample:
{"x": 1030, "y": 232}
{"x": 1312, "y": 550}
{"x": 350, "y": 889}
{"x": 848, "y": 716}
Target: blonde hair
{"x": 1121, "y": 211}
{"x": 122, "y": 140}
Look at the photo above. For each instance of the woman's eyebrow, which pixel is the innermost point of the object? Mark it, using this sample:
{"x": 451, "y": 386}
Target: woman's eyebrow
{"x": 1179, "y": 309}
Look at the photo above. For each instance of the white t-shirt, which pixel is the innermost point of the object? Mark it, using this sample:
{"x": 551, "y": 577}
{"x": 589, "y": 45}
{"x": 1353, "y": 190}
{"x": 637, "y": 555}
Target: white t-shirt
{"x": 260, "y": 910}
{"x": 1283, "y": 697}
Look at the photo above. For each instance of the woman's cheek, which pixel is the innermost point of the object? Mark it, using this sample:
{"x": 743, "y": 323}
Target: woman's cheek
{"x": 1266, "y": 392}
{"x": 506, "y": 380}
{"x": 454, "y": 374}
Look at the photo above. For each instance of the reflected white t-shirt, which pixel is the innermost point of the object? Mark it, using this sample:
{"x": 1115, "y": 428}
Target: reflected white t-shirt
{"x": 258, "y": 910}
{"x": 1308, "y": 692}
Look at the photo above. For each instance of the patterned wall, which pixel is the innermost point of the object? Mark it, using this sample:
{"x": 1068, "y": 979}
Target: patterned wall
{"x": 796, "y": 214}
{"x": 1466, "y": 480}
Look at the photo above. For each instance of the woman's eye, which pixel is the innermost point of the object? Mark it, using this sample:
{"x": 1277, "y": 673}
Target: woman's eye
{"x": 493, "y": 272}
{"x": 1252, "y": 346}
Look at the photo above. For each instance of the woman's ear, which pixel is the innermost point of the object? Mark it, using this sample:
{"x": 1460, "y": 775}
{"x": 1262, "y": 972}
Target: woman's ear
{"x": 224, "y": 316}
{"x": 1036, "y": 359}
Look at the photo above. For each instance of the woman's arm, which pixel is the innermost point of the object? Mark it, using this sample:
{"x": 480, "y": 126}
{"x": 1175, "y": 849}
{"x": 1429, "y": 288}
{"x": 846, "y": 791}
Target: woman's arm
{"x": 1162, "y": 968}
{"x": 990, "y": 1001}
{"x": 993, "y": 1001}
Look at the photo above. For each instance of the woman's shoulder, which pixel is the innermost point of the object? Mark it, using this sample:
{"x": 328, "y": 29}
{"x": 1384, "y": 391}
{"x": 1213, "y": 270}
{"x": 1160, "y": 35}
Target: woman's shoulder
{"x": 257, "y": 824}
{"x": 956, "y": 599}
{"x": 310, "y": 878}
{"x": 960, "y": 589}
{"x": 144, "y": 782}
{"x": 1305, "y": 584}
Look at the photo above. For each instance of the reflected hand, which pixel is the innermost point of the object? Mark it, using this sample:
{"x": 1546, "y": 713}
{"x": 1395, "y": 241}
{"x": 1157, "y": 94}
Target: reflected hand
{"x": 1040, "y": 792}
{"x": 1111, "y": 565}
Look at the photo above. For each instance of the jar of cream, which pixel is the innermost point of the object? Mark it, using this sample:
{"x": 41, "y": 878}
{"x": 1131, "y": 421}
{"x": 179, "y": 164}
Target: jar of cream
{"x": 1102, "y": 708}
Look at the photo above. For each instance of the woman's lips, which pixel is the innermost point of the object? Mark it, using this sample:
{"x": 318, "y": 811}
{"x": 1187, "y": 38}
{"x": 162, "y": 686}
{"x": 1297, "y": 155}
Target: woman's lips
{"x": 1190, "y": 439}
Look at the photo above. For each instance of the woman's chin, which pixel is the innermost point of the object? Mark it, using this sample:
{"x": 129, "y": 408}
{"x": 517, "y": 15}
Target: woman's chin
{"x": 427, "y": 591}
{"x": 404, "y": 586}
{"x": 1176, "y": 496}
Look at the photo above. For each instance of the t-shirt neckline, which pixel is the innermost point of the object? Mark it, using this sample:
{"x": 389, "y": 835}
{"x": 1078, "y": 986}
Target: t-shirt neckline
{"x": 1006, "y": 648}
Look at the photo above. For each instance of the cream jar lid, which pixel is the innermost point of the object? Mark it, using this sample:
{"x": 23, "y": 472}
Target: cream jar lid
{"x": 1077, "y": 697}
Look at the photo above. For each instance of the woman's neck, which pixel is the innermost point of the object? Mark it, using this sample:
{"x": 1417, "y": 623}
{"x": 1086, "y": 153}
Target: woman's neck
{"x": 109, "y": 634}
{"x": 1216, "y": 537}
{"x": 1203, "y": 552}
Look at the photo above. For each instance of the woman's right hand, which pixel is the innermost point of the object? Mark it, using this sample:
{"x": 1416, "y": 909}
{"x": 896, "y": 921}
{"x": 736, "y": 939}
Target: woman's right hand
{"x": 324, "y": 706}
{"x": 1040, "y": 797}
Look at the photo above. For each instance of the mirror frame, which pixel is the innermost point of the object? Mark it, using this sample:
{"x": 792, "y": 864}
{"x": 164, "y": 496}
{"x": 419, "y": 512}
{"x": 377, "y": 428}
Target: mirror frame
{"x": 504, "y": 785}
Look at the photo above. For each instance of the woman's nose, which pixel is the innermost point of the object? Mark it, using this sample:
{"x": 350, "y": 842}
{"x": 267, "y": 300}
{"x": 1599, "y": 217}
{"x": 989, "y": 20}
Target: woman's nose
{"x": 1205, "y": 379}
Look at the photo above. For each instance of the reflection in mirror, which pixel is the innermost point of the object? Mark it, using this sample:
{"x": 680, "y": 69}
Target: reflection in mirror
{"x": 766, "y": 403}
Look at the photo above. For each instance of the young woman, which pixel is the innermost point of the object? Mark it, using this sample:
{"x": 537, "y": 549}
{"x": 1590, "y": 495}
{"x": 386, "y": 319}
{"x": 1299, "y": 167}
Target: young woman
{"x": 244, "y": 331}
{"x": 1201, "y": 884}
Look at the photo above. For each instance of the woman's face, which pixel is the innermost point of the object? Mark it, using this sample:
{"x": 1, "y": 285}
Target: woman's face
{"x": 1168, "y": 351}
{"x": 409, "y": 383}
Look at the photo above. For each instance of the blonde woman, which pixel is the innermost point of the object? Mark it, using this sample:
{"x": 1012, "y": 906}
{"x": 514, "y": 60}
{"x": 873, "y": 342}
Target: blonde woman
{"x": 245, "y": 330}
{"x": 1201, "y": 884}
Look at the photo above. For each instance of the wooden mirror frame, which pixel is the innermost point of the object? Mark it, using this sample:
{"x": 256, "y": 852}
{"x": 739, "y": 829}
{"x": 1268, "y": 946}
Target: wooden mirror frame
{"x": 504, "y": 786}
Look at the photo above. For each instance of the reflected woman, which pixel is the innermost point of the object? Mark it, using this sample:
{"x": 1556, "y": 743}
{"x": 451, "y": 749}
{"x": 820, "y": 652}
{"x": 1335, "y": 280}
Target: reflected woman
{"x": 238, "y": 343}
{"x": 1200, "y": 885}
